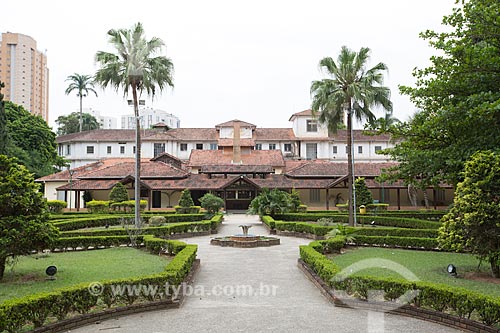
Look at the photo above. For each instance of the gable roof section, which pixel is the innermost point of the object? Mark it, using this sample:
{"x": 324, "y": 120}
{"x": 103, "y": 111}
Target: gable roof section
{"x": 149, "y": 169}
{"x": 307, "y": 112}
{"x": 108, "y": 135}
{"x": 236, "y": 169}
{"x": 272, "y": 158}
{"x": 274, "y": 134}
{"x": 231, "y": 124}
{"x": 327, "y": 169}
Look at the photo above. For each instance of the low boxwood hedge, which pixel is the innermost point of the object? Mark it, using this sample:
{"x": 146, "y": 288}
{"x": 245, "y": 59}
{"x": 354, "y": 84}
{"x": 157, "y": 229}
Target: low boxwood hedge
{"x": 399, "y": 232}
{"x": 394, "y": 241}
{"x": 33, "y": 311}
{"x": 461, "y": 302}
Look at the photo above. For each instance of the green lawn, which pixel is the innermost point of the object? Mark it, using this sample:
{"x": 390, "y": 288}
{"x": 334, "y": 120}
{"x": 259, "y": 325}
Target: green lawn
{"x": 28, "y": 276}
{"x": 427, "y": 266}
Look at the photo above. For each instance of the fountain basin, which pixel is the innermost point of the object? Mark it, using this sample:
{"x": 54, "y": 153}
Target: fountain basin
{"x": 245, "y": 241}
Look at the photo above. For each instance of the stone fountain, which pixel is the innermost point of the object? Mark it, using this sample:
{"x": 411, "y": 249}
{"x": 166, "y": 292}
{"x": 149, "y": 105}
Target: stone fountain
{"x": 245, "y": 239}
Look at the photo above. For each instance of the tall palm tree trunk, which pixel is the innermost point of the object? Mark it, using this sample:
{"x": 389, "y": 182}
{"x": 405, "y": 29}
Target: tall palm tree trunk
{"x": 80, "y": 121}
{"x": 349, "y": 166}
{"x": 137, "y": 185}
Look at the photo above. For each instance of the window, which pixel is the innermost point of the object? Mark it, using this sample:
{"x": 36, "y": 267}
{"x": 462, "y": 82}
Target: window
{"x": 288, "y": 147}
{"x": 272, "y": 146}
{"x": 311, "y": 126}
{"x": 258, "y": 146}
{"x": 311, "y": 151}
{"x": 334, "y": 149}
{"x": 90, "y": 149}
{"x": 199, "y": 146}
{"x": 133, "y": 150}
{"x": 158, "y": 149}
{"x": 122, "y": 149}
{"x": 346, "y": 149}
{"x": 440, "y": 196}
{"x": 378, "y": 148}
{"x": 184, "y": 147}
{"x": 360, "y": 149}
{"x": 68, "y": 149}
{"x": 314, "y": 195}
{"x": 108, "y": 149}
{"x": 213, "y": 146}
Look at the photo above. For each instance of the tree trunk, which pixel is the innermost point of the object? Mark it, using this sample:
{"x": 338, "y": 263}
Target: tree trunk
{"x": 426, "y": 199}
{"x": 350, "y": 166}
{"x": 80, "y": 121}
{"x": 137, "y": 186}
{"x": 495, "y": 267}
{"x": 2, "y": 266}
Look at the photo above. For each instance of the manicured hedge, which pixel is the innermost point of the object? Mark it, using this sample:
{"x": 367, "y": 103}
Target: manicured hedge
{"x": 216, "y": 221}
{"x": 101, "y": 221}
{"x": 388, "y": 221}
{"x": 34, "y": 310}
{"x": 393, "y": 241}
{"x": 302, "y": 227}
{"x": 461, "y": 302}
{"x": 399, "y": 232}
{"x": 331, "y": 245}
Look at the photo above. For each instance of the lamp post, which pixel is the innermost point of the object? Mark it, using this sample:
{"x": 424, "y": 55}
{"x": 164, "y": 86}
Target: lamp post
{"x": 71, "y": 172}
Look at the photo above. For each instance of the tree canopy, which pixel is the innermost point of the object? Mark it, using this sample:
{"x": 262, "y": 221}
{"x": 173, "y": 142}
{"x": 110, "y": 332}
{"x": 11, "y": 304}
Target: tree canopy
{"x": 351, "y": 88}
{"x": 135, "y": 68}
{"x": 458, "y": 96}
{"x": 472, "y": 223}
{"x": 24, "y": 220}
{"x": 71, "y": 123}
{"x": 83, "y": 85}
{"x": 31, "y": 141}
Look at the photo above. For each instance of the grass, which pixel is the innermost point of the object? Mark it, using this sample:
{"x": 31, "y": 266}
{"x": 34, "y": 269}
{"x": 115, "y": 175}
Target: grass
{"x": 427, "y": 266}
{"x": 28, "y": 276}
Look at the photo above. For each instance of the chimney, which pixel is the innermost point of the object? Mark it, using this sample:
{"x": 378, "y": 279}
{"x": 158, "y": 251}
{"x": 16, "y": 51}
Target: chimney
{"x": 236, "y": 142}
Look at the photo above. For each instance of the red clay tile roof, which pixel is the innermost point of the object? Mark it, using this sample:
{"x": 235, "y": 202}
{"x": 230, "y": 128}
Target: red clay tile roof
{"x": 184, "y": 134}
{"x": 217, "y": 157}
{"x": 83, "y": 170}
{"x": 319, "y": 168}
{"x": 307, "y": 112}
{"x": 231, "y": 124}
{"x": 236, "y": 168}
{"x": 274, "y": 134}
{"x": 109, "y": 135}
{"x": 149, "y": 169}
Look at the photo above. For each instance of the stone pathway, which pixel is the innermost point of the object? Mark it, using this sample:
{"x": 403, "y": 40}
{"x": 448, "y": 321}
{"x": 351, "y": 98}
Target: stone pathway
{"x": 282, "y": 299}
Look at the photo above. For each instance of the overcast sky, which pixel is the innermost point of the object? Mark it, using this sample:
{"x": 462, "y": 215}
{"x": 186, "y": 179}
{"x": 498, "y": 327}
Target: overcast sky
{"x": 247, "y": 60}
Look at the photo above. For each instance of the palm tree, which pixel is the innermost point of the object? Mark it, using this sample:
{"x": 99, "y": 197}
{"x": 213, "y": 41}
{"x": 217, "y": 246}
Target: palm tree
{"x": 83, "y": 84}
{"x": 383, "y": 124}
{"x": 135, "y": 67}
{"x": 352, "y": 89}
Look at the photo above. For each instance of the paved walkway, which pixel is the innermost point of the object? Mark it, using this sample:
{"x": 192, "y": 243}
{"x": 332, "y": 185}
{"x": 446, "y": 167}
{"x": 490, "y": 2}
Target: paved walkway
{"x": 296, "y": 305}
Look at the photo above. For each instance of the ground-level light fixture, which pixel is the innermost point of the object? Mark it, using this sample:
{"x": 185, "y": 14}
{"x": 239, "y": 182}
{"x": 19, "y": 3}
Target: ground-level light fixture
{"x": 452, "y": 270}
{"x": 51, "y": 271}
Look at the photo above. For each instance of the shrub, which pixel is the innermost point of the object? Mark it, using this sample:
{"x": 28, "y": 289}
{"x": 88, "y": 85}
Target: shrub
{"x": 187, "y": 210}
{"x": 211, "y": 203}
{"x": 302, "y": 209}
{"x": 118, "y": 193}
{"x": 270, "y": 202}
{"x": 185, "y": 199}
{"x": 99, "y": 207}
{"x": 295, "y": 202}
{"x": 363, "y": 194}
{"x": 157, "y": 220}
{"x": 56, "y": 206}
{"x": 379, "y": 207}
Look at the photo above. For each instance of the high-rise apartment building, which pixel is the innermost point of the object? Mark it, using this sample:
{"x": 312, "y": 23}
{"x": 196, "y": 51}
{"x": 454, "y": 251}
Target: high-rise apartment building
{"x": 24, "y": 71}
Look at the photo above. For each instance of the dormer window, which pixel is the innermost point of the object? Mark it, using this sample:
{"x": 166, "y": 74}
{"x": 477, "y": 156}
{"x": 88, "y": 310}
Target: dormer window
{"x": 311, "y": 126}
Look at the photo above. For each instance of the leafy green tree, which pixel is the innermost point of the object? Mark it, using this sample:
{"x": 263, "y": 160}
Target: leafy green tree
{"x": 186, "y": 200}
{"x": 353, "y": 89}
{"x": 3, "y": 124}
{"x": 472, "y": 223}
{"x": 118, "y": 193}
{"x": 363, "y": 194}
{"x": 24, "y": 220}
{"x": 83, "y": 85}
{"x": 382, "y": 124}
{"x": 135, "y": 68}
{"x": 71, "y": 123}
{"x": 458, "y": 95}
{"x": 87, "y": 196}
{"x": 295, "y": 200}
{"x": 270, "y": 202}
{"x": 31, "y": 141}
{"x": 211, "y": 203}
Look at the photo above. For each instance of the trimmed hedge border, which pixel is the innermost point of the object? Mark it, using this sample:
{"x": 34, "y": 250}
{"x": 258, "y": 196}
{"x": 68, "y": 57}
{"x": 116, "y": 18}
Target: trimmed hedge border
{"x": 433, "y": 296}
{"x": 101, "y": 221}
{"x": 387, "y": 221}
{"x": 36, "y": 309}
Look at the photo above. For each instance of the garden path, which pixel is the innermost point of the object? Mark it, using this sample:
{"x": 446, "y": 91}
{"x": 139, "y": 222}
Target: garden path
{"x": 295, "y": 305}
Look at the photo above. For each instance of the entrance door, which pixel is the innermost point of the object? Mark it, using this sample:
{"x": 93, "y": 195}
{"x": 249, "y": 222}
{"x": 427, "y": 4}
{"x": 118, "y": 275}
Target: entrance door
{"x": 156, "y": 199}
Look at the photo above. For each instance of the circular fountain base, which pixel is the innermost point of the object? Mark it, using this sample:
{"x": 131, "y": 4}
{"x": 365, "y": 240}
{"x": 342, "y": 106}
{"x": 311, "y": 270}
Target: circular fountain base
{"x": 245, "y": 241}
